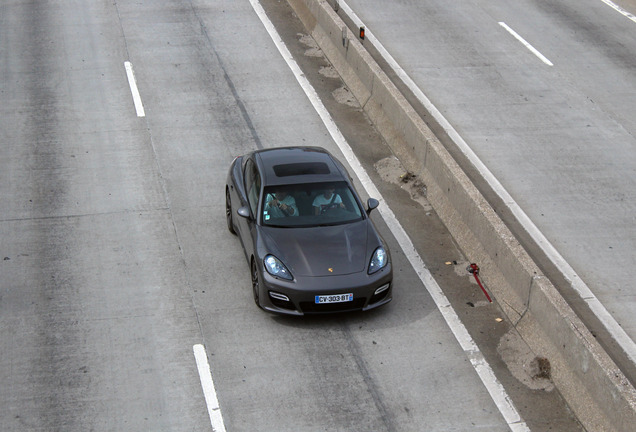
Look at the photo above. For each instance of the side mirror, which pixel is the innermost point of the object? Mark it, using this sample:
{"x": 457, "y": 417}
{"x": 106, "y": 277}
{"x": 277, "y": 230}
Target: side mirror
{"x": 372, "y": 203}
{"x": 244, "y": 212}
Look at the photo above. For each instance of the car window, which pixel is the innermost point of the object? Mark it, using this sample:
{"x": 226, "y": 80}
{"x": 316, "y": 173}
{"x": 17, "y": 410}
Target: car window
{"x": 252, "y": 185}
{"x": 310, "y": 205}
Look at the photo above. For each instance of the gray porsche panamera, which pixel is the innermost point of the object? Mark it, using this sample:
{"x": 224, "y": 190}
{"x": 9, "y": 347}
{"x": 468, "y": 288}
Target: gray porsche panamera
{"x": 308, "y": 239}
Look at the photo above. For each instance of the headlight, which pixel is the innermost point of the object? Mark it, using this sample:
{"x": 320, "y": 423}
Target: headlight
{"x": 378, "y": 260}
{"x": 276, "y": 268}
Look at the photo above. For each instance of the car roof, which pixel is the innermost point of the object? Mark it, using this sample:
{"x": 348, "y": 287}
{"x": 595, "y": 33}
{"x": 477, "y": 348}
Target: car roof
{"x": 295, "y": 165}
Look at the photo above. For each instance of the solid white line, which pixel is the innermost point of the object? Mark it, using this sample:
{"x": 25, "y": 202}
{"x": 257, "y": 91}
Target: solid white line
{"x": 481, "y": 366}
{"x": 526, "y": 44}
{"x": 620, "y": 10}
{"x": 139, "y": 107}
{"x": 205, "y": 375}
{"x": 618, "y": 333}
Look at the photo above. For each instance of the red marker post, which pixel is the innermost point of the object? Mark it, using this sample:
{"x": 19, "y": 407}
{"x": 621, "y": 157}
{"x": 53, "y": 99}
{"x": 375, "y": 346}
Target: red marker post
{"x": 474, "y": 269}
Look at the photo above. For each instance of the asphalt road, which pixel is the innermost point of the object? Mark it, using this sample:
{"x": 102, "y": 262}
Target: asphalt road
{"x": 551, "y": 112}
{"x": 116, "y": 262}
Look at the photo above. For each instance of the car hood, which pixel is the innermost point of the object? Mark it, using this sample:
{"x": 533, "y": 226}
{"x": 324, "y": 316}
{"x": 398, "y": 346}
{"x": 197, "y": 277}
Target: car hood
{"x": 321, "y": 251}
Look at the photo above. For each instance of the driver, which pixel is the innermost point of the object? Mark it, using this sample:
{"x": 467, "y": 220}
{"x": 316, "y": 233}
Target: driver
{"x": 326, "y": 201}
{"x": 280, "y": 204}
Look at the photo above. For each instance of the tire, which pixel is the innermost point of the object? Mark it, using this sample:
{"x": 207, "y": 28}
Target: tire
{"x": 228, "y": 212}
{"x": 255, "y": 284}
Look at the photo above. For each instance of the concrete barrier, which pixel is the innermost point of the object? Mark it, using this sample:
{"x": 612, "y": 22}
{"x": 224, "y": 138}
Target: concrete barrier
{"x": 594, "y": 387}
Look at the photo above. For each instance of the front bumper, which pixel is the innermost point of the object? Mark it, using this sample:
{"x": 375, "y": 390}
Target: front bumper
{"x": 299, "y": 297}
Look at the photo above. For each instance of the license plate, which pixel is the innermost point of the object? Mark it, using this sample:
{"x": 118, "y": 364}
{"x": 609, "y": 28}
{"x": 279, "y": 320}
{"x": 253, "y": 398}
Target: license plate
{"x": 334, "y": 298}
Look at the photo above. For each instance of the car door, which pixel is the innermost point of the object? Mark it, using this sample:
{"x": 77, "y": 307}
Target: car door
{"x": 247, "y": 226}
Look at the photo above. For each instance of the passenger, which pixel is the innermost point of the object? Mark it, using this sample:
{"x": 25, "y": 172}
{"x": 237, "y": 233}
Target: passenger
{"x": 326, "y": 201}
{"x": 280, "y": 204}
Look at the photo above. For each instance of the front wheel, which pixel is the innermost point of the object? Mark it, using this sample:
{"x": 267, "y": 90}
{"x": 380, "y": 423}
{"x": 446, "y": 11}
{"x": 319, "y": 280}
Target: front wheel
{"x": 255, "y": 284}
{"x": 228, "y": 212}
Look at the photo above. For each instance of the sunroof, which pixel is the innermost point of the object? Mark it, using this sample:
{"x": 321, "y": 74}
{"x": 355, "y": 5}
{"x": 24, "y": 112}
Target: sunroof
{"x": 301, "y": 168}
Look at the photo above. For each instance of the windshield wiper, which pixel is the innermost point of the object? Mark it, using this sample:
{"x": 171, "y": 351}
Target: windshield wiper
{"x": 279, "y": 226}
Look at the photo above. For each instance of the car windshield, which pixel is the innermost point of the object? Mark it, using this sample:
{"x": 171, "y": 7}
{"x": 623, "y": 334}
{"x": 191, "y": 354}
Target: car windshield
{"x": 310, "y": 205}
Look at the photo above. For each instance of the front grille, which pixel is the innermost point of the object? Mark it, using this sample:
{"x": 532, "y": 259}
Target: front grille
{"x": 309, "y": 307}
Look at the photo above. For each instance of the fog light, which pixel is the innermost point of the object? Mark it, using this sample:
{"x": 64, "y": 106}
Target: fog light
{"x": 382, "y": 289}
{"x": 278, "y": 296}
